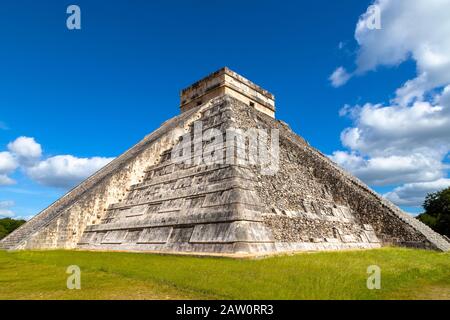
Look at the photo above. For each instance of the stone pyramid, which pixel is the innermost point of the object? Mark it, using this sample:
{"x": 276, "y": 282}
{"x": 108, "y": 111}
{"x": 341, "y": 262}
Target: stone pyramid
{"x": 193, "y": 187}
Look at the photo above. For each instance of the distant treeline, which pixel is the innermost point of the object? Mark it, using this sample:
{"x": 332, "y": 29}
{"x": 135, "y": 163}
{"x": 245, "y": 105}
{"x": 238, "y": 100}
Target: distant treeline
{"x": 8, "y": 225}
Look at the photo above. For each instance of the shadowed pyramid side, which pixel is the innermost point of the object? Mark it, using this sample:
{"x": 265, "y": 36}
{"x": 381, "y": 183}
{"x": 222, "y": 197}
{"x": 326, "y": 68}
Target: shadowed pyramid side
{"x": 317, "y": 205}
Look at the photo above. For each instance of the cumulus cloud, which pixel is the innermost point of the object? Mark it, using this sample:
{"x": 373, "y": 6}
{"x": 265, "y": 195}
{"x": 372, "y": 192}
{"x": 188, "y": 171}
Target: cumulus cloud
{"x": 339, "y": 77}
{"x": 7, "y": 162}
{"x": 7, "y": 165}
{"x": 5, "y": 210}
{"x": 413, "y": 194}
{"x": 26, "y": 149}
{"x": 65, "y": 171}
{"x": 418, "y": 30}
{"x": 391, "y": 145}
{"x": 397, "y": 144}
{"x": 390, "y": 170}
{"x": 5, "y": 180}
{"x": 405, "y": 142}
{"x": 394, "y": 129}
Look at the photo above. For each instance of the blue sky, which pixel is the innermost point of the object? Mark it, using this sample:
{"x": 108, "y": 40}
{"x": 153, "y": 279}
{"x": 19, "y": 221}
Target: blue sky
{"x": 94, "y": 92}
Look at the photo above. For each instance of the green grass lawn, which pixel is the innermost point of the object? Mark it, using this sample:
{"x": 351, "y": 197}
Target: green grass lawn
{"x": 405, "y": 274}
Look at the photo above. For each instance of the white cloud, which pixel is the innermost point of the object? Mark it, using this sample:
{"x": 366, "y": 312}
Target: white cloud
{"x": 7, "y": 162}
{"x": 388, "y": 130}
{"x": 65, "y": 171}
{"x": 5, "y": 180}
{"x": 395, "y": 145}
{"x": 405, "y": 142}
{"x": 413, "y": 194}
{"x": 23, "y": 151}
{"x": 339, "y": 77}
{"x": 26, "y": 149}
{"x": 5, "y": 210}
{"x": 419, "y": 30}
{"x": 7, "y": 165}
{"x": 390, "y": 170}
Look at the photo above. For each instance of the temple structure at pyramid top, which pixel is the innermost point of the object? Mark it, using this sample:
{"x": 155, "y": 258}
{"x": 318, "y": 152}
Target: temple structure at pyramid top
{"x": 160, "y": 197}
{"x": 228, "y": 82}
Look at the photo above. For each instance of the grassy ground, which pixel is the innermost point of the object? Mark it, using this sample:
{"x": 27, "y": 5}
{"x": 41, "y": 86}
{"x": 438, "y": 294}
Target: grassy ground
{"x": 405, "y": 274}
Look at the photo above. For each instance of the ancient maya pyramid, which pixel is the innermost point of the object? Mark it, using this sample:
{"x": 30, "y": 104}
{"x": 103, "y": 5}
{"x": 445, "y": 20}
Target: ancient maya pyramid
{"x": 145, "y": 201}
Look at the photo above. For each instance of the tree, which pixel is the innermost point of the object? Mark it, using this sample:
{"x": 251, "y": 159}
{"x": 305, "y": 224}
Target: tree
{"x": 437, "y": 211}
{"x": 8, "y": 225}
{"x": 3, "y": 232}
